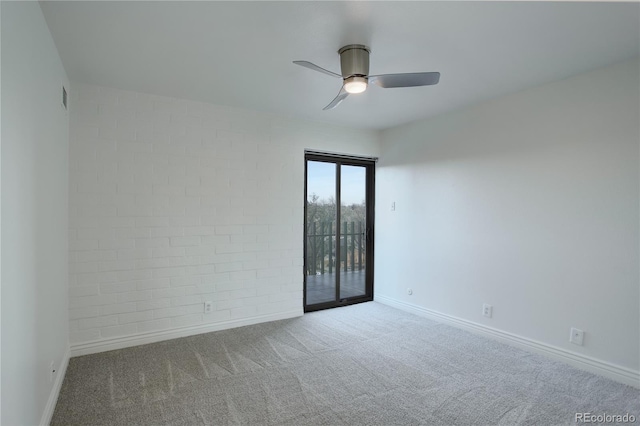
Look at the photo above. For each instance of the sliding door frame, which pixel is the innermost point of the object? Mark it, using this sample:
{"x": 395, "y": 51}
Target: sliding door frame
{"x": 340, "y": 160}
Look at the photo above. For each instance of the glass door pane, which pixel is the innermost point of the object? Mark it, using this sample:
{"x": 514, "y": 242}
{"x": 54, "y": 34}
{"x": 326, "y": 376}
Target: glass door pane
{"x": 353, "y": 215}
{"x": 338, "y": 236}
{"x": 320, "y": 235}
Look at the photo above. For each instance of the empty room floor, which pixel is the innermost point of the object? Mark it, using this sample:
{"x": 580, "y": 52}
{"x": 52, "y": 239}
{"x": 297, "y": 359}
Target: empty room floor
{"x": 366, "y": 364}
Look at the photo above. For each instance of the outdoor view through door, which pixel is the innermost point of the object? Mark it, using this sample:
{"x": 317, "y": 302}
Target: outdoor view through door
{"x": 339, "y": 231}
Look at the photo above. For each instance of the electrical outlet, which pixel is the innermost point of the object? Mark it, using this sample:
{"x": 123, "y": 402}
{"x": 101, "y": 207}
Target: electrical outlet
{"x": 52, "y": 371}
{"x": 487, "y": 310}
{"x": 577, "y": 336}
{"x": 409, "y": 291}
{"x": 208, "y": 307}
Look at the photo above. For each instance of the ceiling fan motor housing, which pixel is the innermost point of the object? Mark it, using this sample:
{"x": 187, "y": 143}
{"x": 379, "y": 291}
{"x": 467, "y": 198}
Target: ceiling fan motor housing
{"x": 354, "y": 60}
{"x": 354, "y": 65}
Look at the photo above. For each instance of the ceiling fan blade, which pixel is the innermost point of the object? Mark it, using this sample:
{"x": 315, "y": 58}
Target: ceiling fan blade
{"x": 336, "y": 101}
{"x": 405, "y": 80}
{"x": 314, "y": 67}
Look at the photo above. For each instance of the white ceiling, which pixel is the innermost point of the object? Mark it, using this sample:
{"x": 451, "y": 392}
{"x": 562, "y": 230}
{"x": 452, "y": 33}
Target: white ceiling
{"x": 239, "y": 53}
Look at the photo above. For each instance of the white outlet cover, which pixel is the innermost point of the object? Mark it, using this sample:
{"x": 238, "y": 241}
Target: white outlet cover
{"x": 52, "y": 371}
{"x": 577, "y": 336}
{"x": 487, "y": 310}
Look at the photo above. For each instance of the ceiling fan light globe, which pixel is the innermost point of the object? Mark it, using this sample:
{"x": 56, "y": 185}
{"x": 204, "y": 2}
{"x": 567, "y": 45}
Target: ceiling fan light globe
{"x": 355, "y": 85}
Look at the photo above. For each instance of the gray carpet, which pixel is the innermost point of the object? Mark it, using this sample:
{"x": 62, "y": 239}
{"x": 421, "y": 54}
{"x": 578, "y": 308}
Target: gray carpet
{"x": 366, "y": 364}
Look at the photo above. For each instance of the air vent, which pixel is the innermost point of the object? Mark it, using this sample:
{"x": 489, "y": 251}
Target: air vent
{"x": 64, "y": 97}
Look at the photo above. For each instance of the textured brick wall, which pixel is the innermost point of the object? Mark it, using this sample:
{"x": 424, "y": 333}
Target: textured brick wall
{"x": 174, "y": 203}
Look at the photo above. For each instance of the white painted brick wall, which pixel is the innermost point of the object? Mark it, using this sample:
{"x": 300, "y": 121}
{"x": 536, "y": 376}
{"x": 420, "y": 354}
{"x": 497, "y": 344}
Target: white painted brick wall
{"x": 174, "y": 203}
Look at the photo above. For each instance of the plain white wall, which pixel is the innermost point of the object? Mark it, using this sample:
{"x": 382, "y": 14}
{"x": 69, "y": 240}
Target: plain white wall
{"x": 174, "y": 203}
{"x": 529, "y": 203}
{"x": 34, "y": 213}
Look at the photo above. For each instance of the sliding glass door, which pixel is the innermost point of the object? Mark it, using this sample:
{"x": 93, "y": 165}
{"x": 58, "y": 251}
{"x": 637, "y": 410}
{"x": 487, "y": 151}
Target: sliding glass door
{"x": 338, "y": 267}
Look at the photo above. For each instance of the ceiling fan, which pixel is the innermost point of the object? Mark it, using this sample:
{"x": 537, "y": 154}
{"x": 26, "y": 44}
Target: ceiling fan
{"x": 354, "y": 64}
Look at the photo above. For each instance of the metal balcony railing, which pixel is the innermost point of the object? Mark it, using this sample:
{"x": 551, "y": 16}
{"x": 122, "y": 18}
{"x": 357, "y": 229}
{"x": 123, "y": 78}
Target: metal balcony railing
{"x": 321, "y": 247}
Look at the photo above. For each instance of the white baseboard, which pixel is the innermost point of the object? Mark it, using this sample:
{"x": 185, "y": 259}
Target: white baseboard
{"x": 615, "y": 372}
{"x": 47, "y": 415}
{"x": 104, "y": 345}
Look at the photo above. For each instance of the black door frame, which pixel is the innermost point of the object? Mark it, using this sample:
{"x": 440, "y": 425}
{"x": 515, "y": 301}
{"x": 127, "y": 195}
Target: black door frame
{"x": 369, "y": 165}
